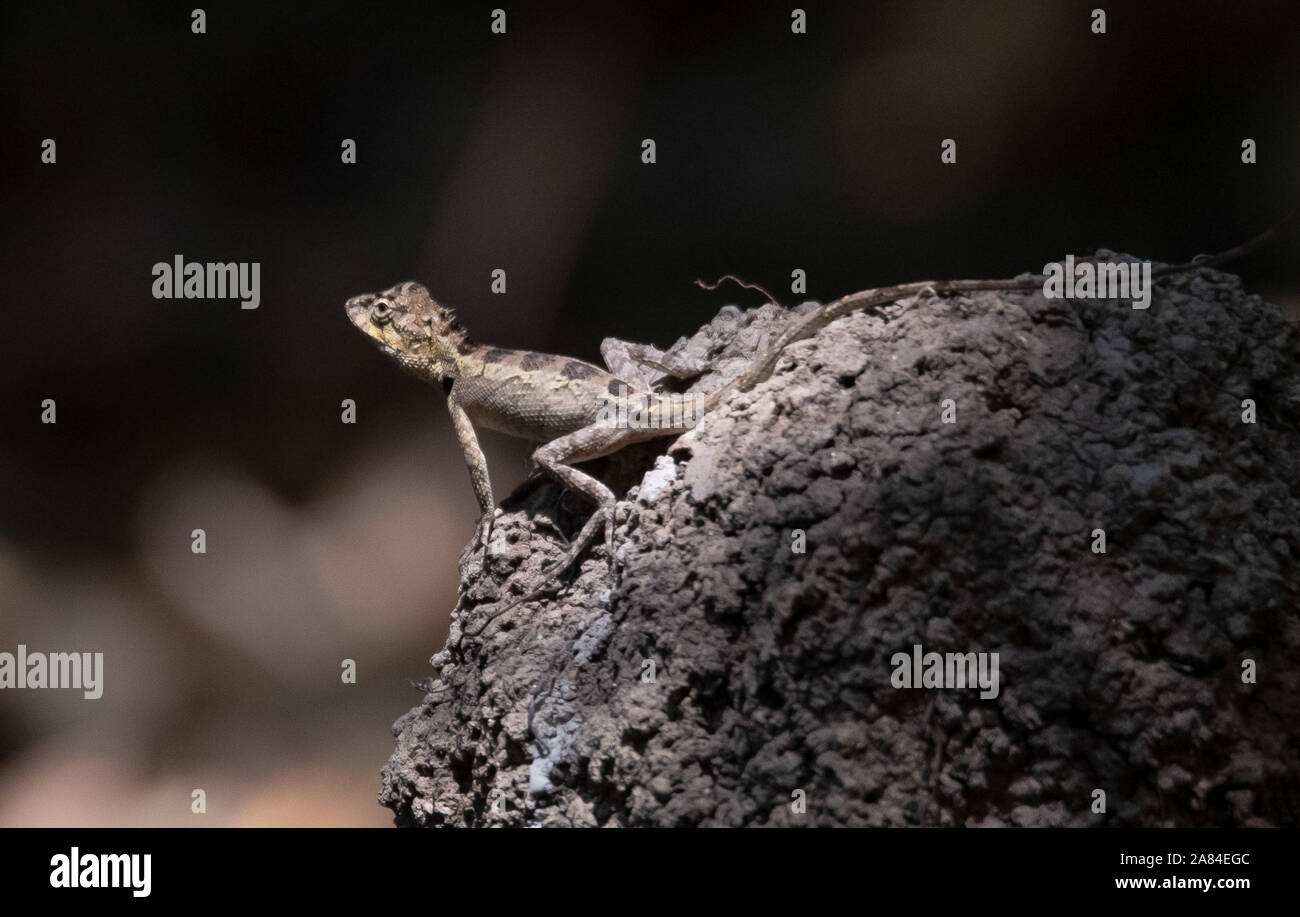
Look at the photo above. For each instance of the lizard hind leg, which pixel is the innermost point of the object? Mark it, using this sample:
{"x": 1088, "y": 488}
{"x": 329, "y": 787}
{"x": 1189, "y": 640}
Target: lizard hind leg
{"x": 556, "y": 458}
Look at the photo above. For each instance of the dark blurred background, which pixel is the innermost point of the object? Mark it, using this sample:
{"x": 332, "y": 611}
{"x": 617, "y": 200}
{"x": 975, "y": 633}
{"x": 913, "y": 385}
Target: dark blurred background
{"x": 477, "y": 151}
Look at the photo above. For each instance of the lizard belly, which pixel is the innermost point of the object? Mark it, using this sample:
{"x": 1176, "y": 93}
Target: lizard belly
{"x": 536, "y": 413}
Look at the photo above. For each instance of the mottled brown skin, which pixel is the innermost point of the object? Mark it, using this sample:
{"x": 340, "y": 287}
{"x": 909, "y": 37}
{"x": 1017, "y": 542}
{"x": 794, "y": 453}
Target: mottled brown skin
{"x": 558, "y": 401}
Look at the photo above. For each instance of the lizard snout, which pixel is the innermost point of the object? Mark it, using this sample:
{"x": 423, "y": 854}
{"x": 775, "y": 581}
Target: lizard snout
{"x": 358, "y": 306}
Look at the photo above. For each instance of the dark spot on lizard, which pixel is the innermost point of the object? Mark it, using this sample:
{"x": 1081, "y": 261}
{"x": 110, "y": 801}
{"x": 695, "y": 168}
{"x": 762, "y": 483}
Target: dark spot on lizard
{"x": 495, "y": 355}
{"x": 618, "y": 387}
{"x": 575, "y": 370}
{"x": 532, "y": 361}
{"x": 464, "y": 347}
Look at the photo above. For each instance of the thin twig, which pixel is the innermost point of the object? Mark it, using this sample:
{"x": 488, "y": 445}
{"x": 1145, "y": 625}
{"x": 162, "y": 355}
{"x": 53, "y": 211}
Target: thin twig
{"x": 744, "y": 283}
{"x": 1233, "y": 253}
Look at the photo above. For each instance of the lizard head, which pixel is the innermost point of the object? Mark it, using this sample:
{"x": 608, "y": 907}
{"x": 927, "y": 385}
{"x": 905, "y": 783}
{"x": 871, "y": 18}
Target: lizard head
{"x": 408, "y": 325}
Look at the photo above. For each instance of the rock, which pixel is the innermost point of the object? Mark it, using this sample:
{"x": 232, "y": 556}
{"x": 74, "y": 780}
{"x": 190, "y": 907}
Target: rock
{"x": 717, "y": 676}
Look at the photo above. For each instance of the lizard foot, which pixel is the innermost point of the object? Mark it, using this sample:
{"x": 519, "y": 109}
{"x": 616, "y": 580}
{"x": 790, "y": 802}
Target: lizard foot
{"x": 553, "y": 523}
{"x": 601, "y": 520}
{"x": 485, "y": 523}
{"x": 479, "y": 546}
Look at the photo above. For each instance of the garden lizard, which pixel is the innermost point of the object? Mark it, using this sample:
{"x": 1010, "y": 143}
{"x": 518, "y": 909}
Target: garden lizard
{"x": 572, "y": 407}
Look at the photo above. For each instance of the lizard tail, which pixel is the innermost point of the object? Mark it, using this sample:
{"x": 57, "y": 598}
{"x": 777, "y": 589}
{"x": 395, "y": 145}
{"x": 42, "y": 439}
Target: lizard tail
{"x": 765, "y": 363}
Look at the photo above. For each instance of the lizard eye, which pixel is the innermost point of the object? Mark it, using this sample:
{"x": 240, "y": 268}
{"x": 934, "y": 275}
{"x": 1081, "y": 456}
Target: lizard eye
{"x": 379, "y": 312}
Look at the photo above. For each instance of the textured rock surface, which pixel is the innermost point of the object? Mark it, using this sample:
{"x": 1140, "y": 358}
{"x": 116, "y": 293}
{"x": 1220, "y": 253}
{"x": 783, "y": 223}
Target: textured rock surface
{"x": 1119, "y": 671}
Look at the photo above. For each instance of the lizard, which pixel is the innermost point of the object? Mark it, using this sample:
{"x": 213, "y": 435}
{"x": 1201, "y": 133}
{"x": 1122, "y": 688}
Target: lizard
{"x": 571, "y": 406}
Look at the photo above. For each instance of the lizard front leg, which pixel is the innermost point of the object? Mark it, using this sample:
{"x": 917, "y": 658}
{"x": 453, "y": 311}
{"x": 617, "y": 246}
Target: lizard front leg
{"x": 478, "y": 469}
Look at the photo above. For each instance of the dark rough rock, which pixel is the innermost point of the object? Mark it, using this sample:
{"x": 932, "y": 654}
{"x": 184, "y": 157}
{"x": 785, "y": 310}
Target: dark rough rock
{"x": 1120, "y": 672}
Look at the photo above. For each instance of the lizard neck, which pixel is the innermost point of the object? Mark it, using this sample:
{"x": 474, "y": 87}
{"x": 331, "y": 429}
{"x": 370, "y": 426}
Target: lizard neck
{"x": 438, "y": 360}
{"x": 462, "y": 357}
